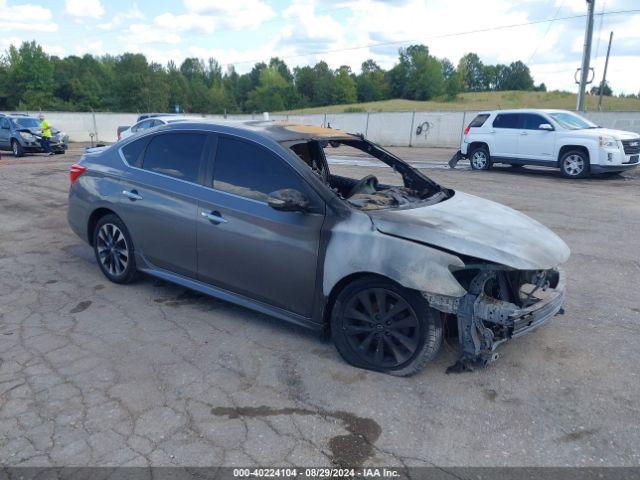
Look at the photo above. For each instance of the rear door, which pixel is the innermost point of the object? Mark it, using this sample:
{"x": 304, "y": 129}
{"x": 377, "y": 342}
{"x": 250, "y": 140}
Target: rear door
{"x": 158, "y": 201}
{"x": 536, "y": 144}
{"x": 505, "y": 135}
{"x": 254, "y": 250}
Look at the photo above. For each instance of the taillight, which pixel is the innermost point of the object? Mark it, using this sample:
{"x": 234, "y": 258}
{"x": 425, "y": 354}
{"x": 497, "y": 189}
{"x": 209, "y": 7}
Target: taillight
{"x": 466, "y": 131}
{"x": 118, "y": 132}
{"x": 75, "y": 171}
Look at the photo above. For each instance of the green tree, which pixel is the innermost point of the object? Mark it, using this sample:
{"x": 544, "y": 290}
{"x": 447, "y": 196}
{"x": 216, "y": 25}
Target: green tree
{"x": 471, "y": 71}
{"x": 273, "y": 94}
{"x": 345, "y": 89}
{"x": 30, "y": 77}
{"x": 371, "y": 83}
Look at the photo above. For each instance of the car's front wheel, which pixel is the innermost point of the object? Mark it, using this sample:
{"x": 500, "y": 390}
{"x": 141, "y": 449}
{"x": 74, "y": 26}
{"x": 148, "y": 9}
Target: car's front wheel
{"x": 16, "y": 148}
{"x": 379, "y": 325}
{"x": 480, "y": 159}
{"x": 574, "y": 164}
{"x": 114, "y": 249}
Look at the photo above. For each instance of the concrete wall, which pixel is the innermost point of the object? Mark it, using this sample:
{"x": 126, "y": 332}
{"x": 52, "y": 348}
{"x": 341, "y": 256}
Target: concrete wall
{"x": 438, "y": 128}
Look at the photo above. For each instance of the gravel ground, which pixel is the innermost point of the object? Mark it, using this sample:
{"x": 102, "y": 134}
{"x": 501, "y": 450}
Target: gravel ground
{"x": 93, "y": 373}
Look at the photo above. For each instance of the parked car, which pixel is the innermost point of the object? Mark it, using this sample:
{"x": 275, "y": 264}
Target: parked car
{"x": 250, "y": 212}
{"x": 549, "y": 138}
{"x": 21, "y": 134}
{"x": 146, "y": 123}
{"x": 141, "y": 117}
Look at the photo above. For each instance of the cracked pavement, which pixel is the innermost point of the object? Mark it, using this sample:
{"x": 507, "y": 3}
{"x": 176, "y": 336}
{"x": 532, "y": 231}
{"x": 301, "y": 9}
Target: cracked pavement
{"x": 98, "y": 374}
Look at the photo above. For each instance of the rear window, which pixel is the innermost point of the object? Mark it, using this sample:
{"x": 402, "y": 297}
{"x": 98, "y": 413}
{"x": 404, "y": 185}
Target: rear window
{"x": 132, "y": 152}
{"x": 506, "y": 120}
{"x": 175, "y": 154}
{"x": 479, "y": 120}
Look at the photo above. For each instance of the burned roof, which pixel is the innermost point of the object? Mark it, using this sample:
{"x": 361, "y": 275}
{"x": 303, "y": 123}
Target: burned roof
{"x": 280, "y": 131}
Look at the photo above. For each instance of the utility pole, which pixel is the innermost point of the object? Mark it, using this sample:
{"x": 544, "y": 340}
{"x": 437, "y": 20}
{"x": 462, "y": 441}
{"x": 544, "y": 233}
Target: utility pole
{"x": 586, "y": 55}
{"x": 604, "y": 75}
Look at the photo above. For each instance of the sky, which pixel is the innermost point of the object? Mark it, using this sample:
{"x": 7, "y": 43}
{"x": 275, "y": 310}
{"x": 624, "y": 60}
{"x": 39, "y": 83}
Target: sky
{"x": 340, "y": 32}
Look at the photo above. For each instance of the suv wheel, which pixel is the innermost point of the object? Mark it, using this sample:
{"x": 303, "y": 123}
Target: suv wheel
{"x": 379, "y": 325}
{"x": 16, "y": 148}
{"x": 114, "y": 249}
{"x": 574, "y": 164}
{"x": 480, "y": 159}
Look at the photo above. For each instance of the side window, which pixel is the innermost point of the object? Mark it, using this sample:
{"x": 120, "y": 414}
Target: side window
{"x": 4, "y": 123}
{"x": 132, "y": 152}
{"x": 248, "y": 170}
{"x": 532, "y": 121}
{"x": 479, "y": 120}
{"x": 175, "y": 154}
{"x": 506, "y": 120}
{"x": 141, "y": 126}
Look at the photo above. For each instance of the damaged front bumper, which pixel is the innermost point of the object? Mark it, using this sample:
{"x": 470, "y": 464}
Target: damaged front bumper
{"x": 485, "y": 321}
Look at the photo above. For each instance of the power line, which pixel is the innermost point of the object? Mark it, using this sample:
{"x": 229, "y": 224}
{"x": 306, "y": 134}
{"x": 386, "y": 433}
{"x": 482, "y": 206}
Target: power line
{"x": 446, "y": 35}
{"x": 555, "y": 16}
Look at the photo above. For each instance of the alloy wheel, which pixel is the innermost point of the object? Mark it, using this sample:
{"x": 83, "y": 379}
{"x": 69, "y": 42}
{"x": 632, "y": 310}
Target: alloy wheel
{"x": 113, "y": 251}
{"x": 479, "y": 160}
{"x": 574, "y": 165}
{"x": 14, "y": 144}
{"x": 381, "y": 327}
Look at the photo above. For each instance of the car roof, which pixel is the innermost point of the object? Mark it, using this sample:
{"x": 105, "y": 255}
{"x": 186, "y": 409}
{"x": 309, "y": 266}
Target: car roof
{"x": 163, "y": 117}
{"x": 278, "y": 131}
{"x": 524, "y": 110}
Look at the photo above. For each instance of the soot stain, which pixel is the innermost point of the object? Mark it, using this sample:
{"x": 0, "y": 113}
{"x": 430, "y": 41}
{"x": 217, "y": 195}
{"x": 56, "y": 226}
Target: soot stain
{"x": 81, "y": 307}
{"x": 490, "y": 394}
{"x": 349, "y": 450}
{"x": 576, "y": 435}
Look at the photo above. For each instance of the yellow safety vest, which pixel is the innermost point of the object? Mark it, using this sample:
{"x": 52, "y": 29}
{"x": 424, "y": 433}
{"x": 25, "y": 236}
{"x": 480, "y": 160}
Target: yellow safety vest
{"x": 46, "y": 128}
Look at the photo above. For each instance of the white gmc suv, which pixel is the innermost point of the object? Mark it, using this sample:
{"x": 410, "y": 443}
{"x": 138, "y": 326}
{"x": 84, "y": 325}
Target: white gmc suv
{"x": 552, "y": 138}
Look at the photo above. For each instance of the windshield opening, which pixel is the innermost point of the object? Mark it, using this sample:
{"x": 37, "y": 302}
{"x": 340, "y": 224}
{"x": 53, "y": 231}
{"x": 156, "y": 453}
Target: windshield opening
{"x": 26, "y": 122}
{"x": 572, "y": 121}
{"x": 367, "y": 176}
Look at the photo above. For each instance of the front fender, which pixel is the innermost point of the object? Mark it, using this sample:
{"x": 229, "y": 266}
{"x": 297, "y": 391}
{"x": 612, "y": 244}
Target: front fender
{"x": 355, "y": 246}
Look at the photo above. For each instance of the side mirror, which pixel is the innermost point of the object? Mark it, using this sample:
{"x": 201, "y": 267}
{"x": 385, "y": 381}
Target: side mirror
{"x": 545, "y": 126}
{"x": 288, "y": 200}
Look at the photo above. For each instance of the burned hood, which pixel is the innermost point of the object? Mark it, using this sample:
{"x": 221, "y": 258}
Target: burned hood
{"x": 476, "y": 227}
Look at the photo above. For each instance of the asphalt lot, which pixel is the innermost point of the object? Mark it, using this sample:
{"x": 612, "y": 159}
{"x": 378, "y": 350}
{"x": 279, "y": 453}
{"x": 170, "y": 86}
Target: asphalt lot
{"x": 93, "y": 373}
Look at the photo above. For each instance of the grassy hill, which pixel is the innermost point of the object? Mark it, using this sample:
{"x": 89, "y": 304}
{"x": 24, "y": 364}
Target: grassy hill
{"x": 484, "y": 101}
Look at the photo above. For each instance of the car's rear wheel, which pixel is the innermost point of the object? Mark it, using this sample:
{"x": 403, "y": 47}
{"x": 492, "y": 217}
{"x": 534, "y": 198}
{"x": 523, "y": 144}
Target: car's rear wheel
{"x": 480, "y": 159}
{"x": 379, "y": 325}
{"x": 114, "y": 249}
{"x": 574, "y": 164}
{"x": 16, "y": 148}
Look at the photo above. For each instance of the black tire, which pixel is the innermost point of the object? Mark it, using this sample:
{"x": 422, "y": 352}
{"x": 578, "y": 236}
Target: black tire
{"x": 16, "y": 148}
{"x": 480, "y": 159}
{"x": 574, "y": 164}
{"x": 115, "y": 255}
{"x": 408, "y": 339}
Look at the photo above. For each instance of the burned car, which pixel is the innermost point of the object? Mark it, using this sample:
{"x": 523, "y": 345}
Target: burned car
{"x": 255, "y": 213}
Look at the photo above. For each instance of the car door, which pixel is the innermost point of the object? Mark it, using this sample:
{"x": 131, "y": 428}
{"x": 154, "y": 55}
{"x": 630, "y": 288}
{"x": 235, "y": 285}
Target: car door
{"x": 505, "y": 135}
{"x": 536, "y": 144}
{"x": 5, "y": 133}
{"x": 159, "y": 197}
{"x": 249, "y": 248}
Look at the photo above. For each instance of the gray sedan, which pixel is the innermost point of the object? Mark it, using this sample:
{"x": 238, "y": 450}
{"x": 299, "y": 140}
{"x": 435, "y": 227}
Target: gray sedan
{"x": 250, "y": 212}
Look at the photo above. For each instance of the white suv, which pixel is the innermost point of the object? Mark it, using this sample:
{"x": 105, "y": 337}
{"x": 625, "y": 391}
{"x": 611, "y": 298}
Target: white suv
{"x": 552, "y": 138}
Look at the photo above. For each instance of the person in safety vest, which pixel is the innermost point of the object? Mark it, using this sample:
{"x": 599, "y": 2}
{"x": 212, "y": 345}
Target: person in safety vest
{"x": 45, "y": 126}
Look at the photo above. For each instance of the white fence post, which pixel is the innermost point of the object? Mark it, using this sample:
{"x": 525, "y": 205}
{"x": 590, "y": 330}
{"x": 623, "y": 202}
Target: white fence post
{"x": 413, "y": 119}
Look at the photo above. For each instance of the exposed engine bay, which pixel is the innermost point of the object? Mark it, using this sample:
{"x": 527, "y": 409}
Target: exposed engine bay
{"x": 499, "y": 305}
{"x": 368, "y": 193}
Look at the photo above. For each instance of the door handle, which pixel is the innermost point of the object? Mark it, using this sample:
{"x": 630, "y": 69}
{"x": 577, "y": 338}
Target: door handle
{"x": 214, "y": 217}
{"x": 524, "y": 133}
{"x": 132, "y": 195}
